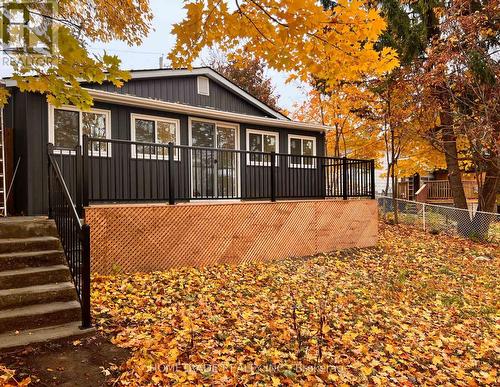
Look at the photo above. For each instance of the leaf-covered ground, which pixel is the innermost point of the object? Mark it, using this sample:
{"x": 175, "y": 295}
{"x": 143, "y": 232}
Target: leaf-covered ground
{"x": 418, "y": 309}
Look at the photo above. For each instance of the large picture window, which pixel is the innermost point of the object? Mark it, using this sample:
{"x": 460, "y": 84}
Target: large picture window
{"x": 261, "y": 141}
{"x": 304, "y": 150}
{"x": 156, "y": 130}
{"x": 67, "y": 125}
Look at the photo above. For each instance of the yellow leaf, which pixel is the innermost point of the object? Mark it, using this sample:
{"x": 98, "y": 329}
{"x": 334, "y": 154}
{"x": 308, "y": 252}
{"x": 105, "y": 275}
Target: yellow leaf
{"x": 437, "y": 360}
{"x": 366, "y": 370}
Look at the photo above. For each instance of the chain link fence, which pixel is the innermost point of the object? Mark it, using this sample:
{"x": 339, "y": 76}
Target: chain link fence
{"x": 476, "y": 225}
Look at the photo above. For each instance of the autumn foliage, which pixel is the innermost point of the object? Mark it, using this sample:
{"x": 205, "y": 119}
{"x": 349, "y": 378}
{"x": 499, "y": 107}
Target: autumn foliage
{"x": 418, "y": 309}
{"x": 297, "y": 36}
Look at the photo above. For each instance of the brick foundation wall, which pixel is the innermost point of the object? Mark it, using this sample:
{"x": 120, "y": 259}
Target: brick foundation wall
{"x": 149, "y": 237}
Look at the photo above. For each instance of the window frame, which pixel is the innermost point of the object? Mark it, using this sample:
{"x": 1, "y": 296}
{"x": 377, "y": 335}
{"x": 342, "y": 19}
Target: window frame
{"x": 155, "y": 119}
{"x": 301, "y": 138}
{"x": 199, "y": 78}
{"x": 261, "y": 133}
{"x": 80, "y": 112}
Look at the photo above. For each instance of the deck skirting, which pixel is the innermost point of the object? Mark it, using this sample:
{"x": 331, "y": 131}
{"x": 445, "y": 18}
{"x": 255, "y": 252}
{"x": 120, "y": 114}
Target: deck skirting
{"x": 146, "y": 238}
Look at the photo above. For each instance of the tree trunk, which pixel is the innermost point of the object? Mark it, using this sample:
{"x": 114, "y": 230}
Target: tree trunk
{"x": 451, "y": 156}
{"x": 480, "y": 224}
{"x": 454, "y": 174}
{"x": 488, "y": 191}
{"x": 393, "y": 159}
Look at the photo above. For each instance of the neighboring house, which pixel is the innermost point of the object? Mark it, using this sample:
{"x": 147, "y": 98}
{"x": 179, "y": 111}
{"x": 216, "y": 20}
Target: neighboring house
{"x": 435, "y": 188}
{"x": 196, "y": 107}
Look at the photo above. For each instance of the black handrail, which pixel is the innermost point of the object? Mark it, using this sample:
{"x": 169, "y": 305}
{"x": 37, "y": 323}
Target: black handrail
{"x": 75, "y": 236}
{"x": 116, "y": 170}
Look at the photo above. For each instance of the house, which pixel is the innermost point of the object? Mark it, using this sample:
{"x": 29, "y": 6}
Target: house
{"x": 195, "y": 107}
{"x": 434, "y": 188}
{"x": 178, "y": 167}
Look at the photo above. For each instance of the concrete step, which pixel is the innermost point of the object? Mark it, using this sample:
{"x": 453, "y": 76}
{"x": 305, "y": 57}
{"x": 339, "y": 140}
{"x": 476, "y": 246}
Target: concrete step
{"x": 38, "y": 316}
{"x": 13, "y": 245}
{"x": 13, "y": 340}
{"x": 20, "y": 260}
{"x": 31, "y": 276}
{"x": 38, "y": 294}
{"x": 27, "y": 227}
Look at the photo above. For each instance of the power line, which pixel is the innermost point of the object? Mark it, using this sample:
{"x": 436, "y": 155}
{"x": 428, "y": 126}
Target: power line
{"x": 128, "y": 51}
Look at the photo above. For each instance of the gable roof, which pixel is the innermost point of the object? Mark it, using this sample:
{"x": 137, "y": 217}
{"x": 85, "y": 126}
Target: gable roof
{"x": 198, "y": 71}
{"x": 215, "y": 76}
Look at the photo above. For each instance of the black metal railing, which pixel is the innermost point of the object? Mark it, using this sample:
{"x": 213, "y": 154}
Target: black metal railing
{"x": 75, "y": 236}
{"x": 128, "y": 171}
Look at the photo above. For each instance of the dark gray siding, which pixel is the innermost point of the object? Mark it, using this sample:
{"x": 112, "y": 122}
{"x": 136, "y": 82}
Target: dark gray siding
{"x": 30, "y": 121}
{"x": 184, "y": 90}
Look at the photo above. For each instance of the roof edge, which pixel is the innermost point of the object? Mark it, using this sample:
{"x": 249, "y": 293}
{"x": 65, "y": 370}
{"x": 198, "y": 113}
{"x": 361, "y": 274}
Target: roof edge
{"x": 132, "y": 100}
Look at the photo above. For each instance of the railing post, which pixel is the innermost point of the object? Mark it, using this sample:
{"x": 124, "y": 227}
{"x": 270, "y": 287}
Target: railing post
{"x": 423, "y": 215}
{"x": 344, "y": 178}
{"x": 50, "y": 151}
{"x": 372, "y": 180}
{"x": 85, "y": 270}
{"x": 273, "y": 176}
{"x": 85, "y": 172}
{"x": 79, "y": 182}
{"x": 171, "y": 179}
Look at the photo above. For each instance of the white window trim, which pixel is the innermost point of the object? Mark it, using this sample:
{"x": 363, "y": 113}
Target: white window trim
{"x": 262, "y": 133}
{"x": 107, "y": 113}
{"x": 156, "y": 119}
{"x": 198, "y": 84}
{"x": 216, "y": 123}
{"x": 301, "y": 165}
{"x": 237, "y": 147}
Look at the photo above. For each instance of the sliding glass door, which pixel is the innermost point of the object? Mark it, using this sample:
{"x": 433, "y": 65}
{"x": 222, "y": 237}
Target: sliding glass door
{"x": 215, "y": 169}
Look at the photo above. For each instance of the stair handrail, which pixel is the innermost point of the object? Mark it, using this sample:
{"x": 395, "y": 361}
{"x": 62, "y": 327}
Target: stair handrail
{"x": 79, "y": 265}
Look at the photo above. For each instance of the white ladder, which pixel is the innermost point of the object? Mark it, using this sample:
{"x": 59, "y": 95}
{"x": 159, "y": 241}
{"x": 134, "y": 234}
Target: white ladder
{"x": 3, "y": 188}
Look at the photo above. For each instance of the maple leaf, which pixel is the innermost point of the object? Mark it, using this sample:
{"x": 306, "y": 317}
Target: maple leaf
{"x": 342, "y": 318}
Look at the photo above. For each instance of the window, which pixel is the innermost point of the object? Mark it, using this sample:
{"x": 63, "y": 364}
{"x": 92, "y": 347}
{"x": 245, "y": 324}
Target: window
{"x": 203, "y": 85}
{"x": 261, "y": 141}
{"x": 157, "y": 130}
{"x": 304, "y": 150}
{"x": 67, "y": 125}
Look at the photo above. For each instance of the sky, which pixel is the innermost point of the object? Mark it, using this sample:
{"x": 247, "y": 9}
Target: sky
{"x": 160, "y": 41}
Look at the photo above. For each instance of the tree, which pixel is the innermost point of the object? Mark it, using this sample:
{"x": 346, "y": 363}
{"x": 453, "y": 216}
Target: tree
{"x": 354, "y": 133}
{"x": 249, "y": 74}
{"x": 67, "y": 33}
{"x": 461, "y": 75}
{"x": 298, "y": 36}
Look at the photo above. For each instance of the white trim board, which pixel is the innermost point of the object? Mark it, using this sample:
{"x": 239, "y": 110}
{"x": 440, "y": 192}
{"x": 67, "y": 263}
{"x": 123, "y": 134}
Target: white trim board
{"x": 149, "y": 103}
{"x": 203, "y": 71}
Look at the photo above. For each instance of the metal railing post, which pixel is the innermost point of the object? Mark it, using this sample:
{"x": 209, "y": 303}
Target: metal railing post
{"x": 372, "y": 180}
{"x": 79, "y": 182}
{"x": 344, "y": 178}
{"x": 171, "y": 180}
{"x": 273, "y": 176}
{"x": 50, "y": 151}
{"x": 85, "y": 172}
{"x": 423, "y": 216}
{"x": 86, "y": 316}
